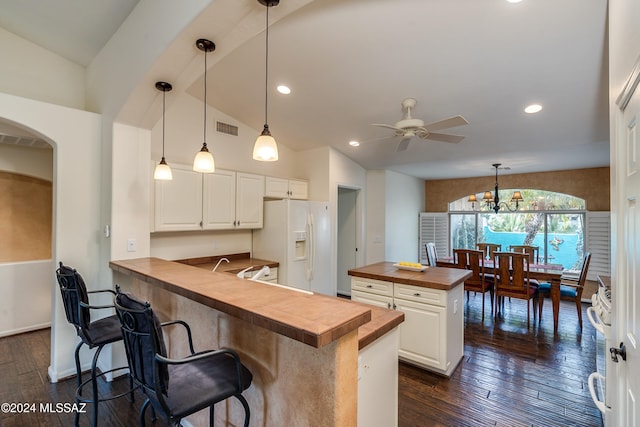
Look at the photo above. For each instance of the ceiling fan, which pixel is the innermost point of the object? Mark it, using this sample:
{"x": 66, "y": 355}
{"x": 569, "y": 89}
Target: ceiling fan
{"x": 409, "y": 127}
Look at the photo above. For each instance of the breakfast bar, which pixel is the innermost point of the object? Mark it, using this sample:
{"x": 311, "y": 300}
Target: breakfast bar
{"x": 302, "y": 348}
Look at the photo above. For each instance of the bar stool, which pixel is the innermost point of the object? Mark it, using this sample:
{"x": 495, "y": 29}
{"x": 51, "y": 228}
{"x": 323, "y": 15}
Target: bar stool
{"x": 93, "y": 334}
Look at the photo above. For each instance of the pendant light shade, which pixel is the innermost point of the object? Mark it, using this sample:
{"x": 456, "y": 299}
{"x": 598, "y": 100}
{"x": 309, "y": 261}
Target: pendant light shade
{"x": 163, "y": 171}
{"x": 265, "y": 148}
{"x": 203, "y": 162}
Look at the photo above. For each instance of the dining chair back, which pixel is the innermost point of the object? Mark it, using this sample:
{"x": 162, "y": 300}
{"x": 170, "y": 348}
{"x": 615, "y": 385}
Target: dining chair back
{"x": 570, "y": 290}
{"x": 489, "y": 249}
{"x": 432, "y": 253}
{"x": 533, "y": 252}
{"x": 470, "y": 259}
{"x": 511, "y": 279}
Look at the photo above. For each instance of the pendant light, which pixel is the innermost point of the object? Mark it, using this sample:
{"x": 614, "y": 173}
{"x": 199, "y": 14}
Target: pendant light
{"x": 203, "y": 161}
{"x": 265, "y": 148}
{"x": 163, "y": 171}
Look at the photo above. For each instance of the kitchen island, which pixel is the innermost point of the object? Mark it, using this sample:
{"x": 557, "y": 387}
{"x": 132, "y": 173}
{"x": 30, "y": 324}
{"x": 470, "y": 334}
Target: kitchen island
{"x": 302, "y": 348}
{"x": 432, "y": 335}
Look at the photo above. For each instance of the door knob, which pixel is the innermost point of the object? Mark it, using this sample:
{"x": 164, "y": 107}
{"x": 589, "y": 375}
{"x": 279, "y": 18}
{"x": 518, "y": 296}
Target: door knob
{"x": 615, "y": 352}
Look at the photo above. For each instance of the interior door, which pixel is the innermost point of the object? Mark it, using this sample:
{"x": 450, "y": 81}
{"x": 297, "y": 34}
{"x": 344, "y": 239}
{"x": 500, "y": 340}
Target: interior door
{"x": 626, "y": 299}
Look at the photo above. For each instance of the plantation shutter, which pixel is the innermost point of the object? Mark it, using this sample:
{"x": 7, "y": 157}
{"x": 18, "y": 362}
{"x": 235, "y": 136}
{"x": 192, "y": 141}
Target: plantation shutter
{"x": 598, "y": 242}
{"x": 434, "y": 227}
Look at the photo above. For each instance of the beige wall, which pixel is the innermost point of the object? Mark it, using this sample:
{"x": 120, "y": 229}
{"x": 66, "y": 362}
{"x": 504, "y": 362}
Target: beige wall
{"x": 25, "y": 218}
{"x": 589, "y": 184}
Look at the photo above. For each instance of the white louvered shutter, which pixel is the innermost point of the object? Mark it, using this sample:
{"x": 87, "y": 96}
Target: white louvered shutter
{"x": 598, "y": 242}
{"x": 434, "y": 227}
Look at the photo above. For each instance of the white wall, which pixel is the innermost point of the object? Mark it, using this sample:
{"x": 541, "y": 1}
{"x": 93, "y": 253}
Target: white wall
{"x": 32, "y": 72}
{"x": 394, "y": 202}
{"x": 375, "y": 213}
{"x": 35, "y": 162}
{"x": 77, "y": 233}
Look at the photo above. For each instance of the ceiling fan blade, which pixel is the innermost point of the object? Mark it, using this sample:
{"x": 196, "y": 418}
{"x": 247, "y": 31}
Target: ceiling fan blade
{"x": 387, "y": 126}
{"x": 447, "y": 123}
{"x": 403, "y": 144}
{"x": 444, "y": 137}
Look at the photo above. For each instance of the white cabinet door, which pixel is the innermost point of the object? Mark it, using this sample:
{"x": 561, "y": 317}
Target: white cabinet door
{"x": 249, "y": 200}
{"x": 219, "y": 200}
{"x": 178, "y": 203}
{"x": 423, "y": 336}
{"x": 282, "y": 188}
{"x": 298, "y": 189}
{"x": 278, "y": 188}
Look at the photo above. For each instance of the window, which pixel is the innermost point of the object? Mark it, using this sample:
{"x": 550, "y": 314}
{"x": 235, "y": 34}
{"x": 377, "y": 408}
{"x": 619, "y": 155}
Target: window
{"x": 554, "y": 222}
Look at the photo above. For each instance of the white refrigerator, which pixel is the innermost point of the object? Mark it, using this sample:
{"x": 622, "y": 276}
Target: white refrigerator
{"x": 297, "y": 234}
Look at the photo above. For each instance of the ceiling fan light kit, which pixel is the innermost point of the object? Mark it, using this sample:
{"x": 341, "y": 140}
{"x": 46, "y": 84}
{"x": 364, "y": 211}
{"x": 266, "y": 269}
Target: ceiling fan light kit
{"x": 410, "y": 127}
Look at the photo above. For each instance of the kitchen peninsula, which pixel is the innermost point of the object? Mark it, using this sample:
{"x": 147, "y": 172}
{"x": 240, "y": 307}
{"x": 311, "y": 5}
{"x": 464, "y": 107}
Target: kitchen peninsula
{"x": 432, "y": 335}
{"x": 302, "y": 348}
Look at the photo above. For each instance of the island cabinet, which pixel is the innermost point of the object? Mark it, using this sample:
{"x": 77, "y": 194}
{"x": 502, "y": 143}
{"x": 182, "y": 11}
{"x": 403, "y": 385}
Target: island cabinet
{"x": 221, "y": 200}
{"x": 432, "y": 335}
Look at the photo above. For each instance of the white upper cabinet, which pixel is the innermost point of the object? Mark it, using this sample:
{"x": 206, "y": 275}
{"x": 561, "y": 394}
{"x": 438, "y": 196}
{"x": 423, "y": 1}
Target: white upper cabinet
{"x": 218, "y": 201}
{"x": 249, "y": 200}
{"x": 282, "y": 188}
{"x": 178, "y": 203}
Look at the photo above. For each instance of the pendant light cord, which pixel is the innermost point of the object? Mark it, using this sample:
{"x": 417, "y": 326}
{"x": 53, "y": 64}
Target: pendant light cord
{"x": 266, "y": 68}
{"x": 205, "y": 98}
{"x": 163, "y": 109}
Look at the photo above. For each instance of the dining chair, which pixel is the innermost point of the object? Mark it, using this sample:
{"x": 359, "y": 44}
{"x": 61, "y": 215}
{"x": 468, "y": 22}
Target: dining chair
{"x": 489, "y": 249}
{"x": 470, "y": 259}
{"x": 511, "y": 279}
{"x": 533, "y": 252}
{"x": 570, "y": 290}
{"x": 432, "y": 253}
{"x": 177, "y": 388}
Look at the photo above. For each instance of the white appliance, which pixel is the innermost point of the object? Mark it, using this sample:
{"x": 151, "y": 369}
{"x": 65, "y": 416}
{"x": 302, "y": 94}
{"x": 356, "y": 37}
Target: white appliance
{"x": 600, "y": 315}
{"x": 297, "y": 234}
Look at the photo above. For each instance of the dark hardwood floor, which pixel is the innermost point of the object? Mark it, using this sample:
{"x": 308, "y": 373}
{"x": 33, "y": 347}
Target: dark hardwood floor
{"x": 509, "y": 376}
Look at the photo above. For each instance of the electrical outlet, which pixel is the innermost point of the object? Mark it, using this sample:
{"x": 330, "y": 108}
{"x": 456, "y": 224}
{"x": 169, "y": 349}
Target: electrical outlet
{"x": 132, "y": 245}
{"x": 455, "y": 306}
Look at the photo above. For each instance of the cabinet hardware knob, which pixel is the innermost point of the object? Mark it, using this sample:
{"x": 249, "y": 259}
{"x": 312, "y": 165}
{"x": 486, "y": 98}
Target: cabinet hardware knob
{"x": 369, "y": 286}
{"x": 416, "y": 294}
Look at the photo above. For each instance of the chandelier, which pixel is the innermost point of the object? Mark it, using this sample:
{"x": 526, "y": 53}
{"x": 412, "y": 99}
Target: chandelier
{"x": 492, "y": 201}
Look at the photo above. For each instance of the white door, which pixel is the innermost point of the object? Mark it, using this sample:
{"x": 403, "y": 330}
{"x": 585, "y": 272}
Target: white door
{"x": 249, "y": 200}
{"x": 297, "y": 244}
{"x": 219, "y": 202}
{"x": 626, "y": 298}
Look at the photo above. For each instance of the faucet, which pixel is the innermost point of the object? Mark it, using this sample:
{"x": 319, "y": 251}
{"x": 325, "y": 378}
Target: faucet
{"x": 218, "y": 264}
{"x": 262, "y": 272}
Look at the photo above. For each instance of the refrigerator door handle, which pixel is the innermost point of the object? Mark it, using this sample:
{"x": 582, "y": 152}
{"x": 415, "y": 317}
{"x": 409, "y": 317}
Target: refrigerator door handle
{"x": 310, "y": 242}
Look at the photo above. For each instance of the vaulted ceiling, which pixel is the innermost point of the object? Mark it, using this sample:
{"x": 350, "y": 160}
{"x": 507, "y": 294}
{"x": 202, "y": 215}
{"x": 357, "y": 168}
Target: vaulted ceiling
{"x": 350, "y": 63}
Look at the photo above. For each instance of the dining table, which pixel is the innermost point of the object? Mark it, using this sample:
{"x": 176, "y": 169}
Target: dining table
{"x": 542, "y": 272}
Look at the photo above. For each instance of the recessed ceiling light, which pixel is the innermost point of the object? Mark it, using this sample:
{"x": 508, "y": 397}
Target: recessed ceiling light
{"x": 284, "y": 89}
{"x": 533, "y": 108}
{"x": 354, "y": 143}
{"x": 514, "y": 1}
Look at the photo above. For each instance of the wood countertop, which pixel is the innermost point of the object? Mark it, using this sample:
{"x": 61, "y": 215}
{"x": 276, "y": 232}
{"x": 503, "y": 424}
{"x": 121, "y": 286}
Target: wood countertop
{"x": 316, "y": 320}
{"x": 442, "y": 278}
